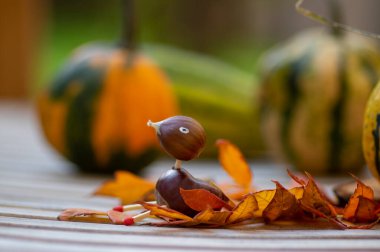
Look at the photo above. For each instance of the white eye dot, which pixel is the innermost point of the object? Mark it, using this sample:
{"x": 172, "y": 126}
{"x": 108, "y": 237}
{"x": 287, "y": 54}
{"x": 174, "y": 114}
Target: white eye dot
{"x": 184, "y": 130}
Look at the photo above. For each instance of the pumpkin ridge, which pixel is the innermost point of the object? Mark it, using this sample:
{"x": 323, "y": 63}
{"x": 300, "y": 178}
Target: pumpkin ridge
{"x": 336, "y": 134}
{"x": 295, "y": 70}
{"x": 376, "y": 140}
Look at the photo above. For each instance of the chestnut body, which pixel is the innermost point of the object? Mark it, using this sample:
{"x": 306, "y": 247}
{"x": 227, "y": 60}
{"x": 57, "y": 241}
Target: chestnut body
{"x": 168, "y": 185}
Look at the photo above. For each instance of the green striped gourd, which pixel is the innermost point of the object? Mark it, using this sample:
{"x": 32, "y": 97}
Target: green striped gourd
{"x": 313, "y": 95}
{"x": 371, "y": 133}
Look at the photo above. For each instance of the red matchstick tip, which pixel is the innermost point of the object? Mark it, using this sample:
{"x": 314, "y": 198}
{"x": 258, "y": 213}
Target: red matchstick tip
{"x": 118, "y": 208}
{"x": 129, "y": 221}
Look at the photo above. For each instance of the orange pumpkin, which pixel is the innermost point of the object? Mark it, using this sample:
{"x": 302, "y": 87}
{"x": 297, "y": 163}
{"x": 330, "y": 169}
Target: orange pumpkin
{"x": 96, "y": 110}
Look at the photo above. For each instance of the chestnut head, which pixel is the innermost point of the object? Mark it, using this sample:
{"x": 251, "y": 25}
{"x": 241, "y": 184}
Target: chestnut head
{"x": 181, "y": 137}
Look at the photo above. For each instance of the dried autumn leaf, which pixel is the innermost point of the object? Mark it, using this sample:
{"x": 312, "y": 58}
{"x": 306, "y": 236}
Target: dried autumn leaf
{"x": 366, "y": 210}
{"x": 234, "y": 164}
{"x": 244, "y": 210}
{"x": 314, "y": 198}
{"x": 164, "y": 212}
{"x": 127, "y": 187}
{"x": 296, "y": 178}
{"x": 201, "y": 199}
{"x": 297, "y": 192}
{"x": 283, "y": 204}
{"x": 320, "y": 214}
{"x": 351, "y": 210}
{"x": 84, "y": 215}
{"x": 263, "y": 199}
{"x": 210, "y": 216}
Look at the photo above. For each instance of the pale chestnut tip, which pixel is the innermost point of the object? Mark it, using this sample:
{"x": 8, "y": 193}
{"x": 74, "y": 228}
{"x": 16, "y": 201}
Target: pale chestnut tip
{"x": 154, "y": 125}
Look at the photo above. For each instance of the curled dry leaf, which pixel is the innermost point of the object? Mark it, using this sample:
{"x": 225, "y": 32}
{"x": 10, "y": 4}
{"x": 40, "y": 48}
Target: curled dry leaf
{"x": 244, "y": 210}
{"x": 361, "y": 207}
{"x": 283, "y": 204}
{"x": 127, "y": 187}
{"x": 263, "y": 199}
{"x": 234, "y": 164}
{"x": 314, "y": 198}
{"x": 201, "y": 199}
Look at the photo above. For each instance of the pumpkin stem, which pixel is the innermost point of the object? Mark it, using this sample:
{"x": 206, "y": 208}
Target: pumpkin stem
{"x": 336, "y": 15}
{"x": 128, "y": 32}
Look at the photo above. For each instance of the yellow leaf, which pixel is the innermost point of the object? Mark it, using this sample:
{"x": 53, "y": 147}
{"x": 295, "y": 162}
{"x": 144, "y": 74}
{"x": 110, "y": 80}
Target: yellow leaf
{"x": 297, "y": 192}
{"x": 263, "y": 199}
{"x": 210, "y": 216}
{"x": 244, "y": 210}
{"x": 234, "y": 164}
{"x": 128, "y": 187}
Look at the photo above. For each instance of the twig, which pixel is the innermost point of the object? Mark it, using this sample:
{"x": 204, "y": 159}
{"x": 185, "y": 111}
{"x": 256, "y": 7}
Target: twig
{"x": 325, "y": 21}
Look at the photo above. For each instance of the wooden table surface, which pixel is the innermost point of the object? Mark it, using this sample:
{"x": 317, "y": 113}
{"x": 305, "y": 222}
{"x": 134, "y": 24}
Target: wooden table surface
{"x": 36, "y": 185}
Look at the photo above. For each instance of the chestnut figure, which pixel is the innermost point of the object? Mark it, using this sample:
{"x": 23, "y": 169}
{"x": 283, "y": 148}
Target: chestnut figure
{"x": 169, "y": 184}
{"x": 182, "y": 137}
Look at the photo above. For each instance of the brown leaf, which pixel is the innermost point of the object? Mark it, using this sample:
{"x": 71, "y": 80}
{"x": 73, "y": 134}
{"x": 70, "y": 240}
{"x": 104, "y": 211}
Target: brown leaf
{"x": 164, "y": 212}
{"x": 283, "y": 204}
{"x": 234, "y": 164}
{"x": 263, "y": 199}
{"x": 314, "y": 198}
{"x": 320, "y": 214}
{"x": 201, "y": 199}
{"x": 244, "y": 210}
{"x": 295, "y": 178}
{"x": 127, "y": 187}
{"x": 84, "y": 215}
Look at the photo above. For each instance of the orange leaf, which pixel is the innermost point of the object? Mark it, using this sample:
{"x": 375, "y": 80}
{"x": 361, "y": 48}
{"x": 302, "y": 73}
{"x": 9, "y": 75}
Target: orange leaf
{"x": 360, "y": 207}
{"x": 234, "y": 164}
{"x": 84, "y": 215}
{"x": 297, "y": 192}
{"x": 314, "y": 198}
{"x": 283, "y": 204}
{"x": 210, "y": 216}
{"x": 201, "y": 199}
{"x": 244, "y": 210}
{"x": 263, "y": 199}
{"x": 164, "y": 212}
{"x": 366, "y": 210}
{"x": 127, "y": 187}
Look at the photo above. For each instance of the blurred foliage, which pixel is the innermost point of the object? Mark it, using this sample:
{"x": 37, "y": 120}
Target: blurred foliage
{"x": 75, "y": 22}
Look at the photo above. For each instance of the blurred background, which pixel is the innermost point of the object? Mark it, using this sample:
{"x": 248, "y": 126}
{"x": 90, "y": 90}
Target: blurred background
{"x": 211, "y": 50}
{"x": 37, "y": 36}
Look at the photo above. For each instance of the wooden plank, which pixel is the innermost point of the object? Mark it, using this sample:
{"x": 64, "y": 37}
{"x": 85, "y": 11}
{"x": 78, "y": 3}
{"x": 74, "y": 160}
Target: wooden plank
{"x": 246, "y": 232}
{"x": 181, "y": 242}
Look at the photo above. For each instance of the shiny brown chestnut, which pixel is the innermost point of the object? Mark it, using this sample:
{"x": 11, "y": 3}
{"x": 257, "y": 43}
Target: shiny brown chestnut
{"x": 169, "y": 184}
{"x": 182, "y": 137}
